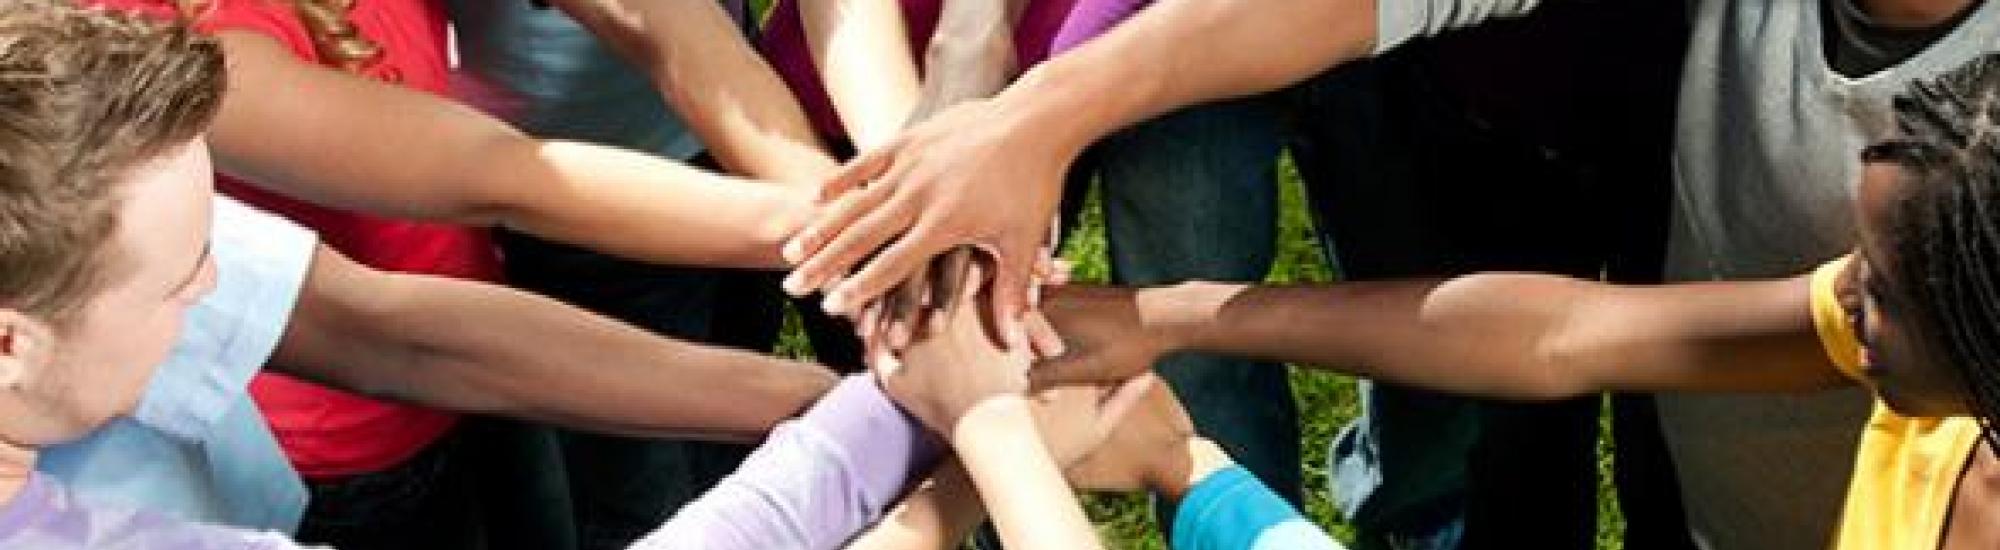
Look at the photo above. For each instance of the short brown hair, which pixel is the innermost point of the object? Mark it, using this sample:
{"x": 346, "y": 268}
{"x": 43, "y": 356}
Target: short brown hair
{"x": 86, "y": 95}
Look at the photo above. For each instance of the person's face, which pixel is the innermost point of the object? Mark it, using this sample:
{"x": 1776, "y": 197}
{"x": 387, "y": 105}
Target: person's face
{"x": 100, "y": 361}
{"x": 1903, "y": 364}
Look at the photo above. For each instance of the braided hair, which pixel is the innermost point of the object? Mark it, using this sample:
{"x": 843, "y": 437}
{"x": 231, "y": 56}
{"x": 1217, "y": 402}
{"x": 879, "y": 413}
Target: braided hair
{"x": 1944, "y": 233}
{"x": 334, "y": 36}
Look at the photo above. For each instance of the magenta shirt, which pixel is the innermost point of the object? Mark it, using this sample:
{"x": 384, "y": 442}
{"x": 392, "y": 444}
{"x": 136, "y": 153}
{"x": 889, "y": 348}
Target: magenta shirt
{"x": 1046, "y": 27}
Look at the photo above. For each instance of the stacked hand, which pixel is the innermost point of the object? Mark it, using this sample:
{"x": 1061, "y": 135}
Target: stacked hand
{"x": 954, "y": 180}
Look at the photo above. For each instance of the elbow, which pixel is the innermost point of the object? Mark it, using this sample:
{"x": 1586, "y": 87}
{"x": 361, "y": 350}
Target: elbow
{"x": 1560, "y": 367}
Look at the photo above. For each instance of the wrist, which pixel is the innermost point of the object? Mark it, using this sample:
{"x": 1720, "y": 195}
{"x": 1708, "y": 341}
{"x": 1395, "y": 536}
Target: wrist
{"x": 996, "y": 422}
{"x": 1181, "y": 316}
{"x": 1183, "y": 471}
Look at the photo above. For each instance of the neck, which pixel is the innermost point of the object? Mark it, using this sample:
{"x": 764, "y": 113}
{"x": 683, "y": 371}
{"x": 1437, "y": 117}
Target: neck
{"x": 1912, "y": 14}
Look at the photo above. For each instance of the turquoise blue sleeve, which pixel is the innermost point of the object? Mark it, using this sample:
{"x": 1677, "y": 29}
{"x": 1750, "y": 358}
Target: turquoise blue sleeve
{"x": 1231, "y": 510}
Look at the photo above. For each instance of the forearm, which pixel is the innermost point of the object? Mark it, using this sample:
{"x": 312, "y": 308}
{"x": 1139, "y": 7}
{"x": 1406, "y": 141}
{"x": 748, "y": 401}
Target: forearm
{"x": 1020, "y": 484}
{"x": 641, "y": 206}
{"x": 717, "y": 83}
{"x": 938, "y": 515}
{"x": 372, "y": 147}
{"x": 1512, "y": 335}
{"x": 1182, "y": 52}
{"x": 862, "y": 49}
{"x": 476, "y": 347}
{"x": 972, "y": 53}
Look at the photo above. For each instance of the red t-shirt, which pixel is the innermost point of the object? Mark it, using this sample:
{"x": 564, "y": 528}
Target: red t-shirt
{"x": 329, "y": 433}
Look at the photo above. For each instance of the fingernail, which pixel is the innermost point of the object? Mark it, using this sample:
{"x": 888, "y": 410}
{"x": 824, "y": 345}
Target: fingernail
{"x": 835, "y": 303}
{"x": 794, "y": 284}
{"x": 1016, "y": 336}
{"x": 793, "y": 251}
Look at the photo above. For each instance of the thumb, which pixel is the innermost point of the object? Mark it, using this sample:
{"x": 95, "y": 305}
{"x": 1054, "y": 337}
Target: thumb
{"x": 1013, "y": 275}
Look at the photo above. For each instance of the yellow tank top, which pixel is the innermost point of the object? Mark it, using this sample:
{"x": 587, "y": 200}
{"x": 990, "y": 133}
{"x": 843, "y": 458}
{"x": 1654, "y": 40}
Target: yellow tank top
{"x": 1907, "y": 469}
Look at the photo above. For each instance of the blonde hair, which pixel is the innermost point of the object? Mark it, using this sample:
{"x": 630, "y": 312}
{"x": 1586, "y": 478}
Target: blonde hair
{"x": 334, "y": 36}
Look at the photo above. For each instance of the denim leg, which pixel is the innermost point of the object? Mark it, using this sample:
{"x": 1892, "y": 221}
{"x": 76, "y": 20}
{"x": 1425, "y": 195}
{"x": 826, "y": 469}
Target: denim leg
{"x": 1398, "y": 473}
{"x": 1193, "y": 195}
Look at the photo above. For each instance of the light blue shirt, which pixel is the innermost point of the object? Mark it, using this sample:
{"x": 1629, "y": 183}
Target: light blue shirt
{"x": 197, "y": 447}
{"x": 546, "y": 74}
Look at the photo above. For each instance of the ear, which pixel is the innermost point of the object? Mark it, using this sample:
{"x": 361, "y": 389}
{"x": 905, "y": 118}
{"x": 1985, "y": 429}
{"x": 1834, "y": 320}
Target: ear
{"x": 25, "y": 345}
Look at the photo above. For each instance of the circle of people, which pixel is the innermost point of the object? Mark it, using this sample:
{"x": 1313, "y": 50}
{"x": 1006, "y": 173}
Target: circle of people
{"x": 509, "y": 273}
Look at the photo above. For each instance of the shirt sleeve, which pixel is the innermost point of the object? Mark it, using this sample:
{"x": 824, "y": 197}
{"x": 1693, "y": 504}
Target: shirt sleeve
{"x": 1089, "y": 18}
{"x": 1398, "y": 21}
{"x": 808, "y": 486}
{"x": 1231, "y": 510}
{"x": 1832, "y": 322}
{"x": 261, "y": 263}
{"x": 44, "y": 515}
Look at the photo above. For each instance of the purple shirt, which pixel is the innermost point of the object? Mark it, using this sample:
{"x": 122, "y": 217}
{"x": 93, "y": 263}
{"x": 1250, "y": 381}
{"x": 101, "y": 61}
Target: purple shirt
{"x": 1089, "y": 18}
{"x": 816, "y": 482}
{"x": 784, "y": 43}
{"x": 45, "y": 516}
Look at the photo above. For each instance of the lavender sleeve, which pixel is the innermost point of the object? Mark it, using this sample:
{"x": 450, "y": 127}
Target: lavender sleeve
{"x": 1089, "y": 18}
{"x": 46, "y": 516}
{"x": 816, "y": 482}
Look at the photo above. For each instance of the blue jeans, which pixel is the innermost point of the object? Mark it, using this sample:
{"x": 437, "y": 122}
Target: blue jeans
{"x": 1193, "y": 195}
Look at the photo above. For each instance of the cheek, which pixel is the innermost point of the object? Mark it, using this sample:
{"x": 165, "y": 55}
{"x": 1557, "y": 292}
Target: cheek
{"x": 120, "y": 370}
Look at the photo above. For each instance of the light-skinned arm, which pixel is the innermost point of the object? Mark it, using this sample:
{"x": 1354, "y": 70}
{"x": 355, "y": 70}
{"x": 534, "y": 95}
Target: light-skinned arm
{"x": 372, "y": 147}
{"x": 484, "y": 348}
{"x": 862, "y": 49}
{"x": 707, "y": 70}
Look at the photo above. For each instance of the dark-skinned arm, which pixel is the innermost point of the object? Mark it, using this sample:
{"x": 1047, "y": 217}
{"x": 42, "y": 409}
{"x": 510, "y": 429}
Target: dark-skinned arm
{"x": 1501, "y": 335}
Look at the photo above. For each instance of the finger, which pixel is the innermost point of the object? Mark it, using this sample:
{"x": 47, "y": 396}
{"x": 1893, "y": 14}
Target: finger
{"x": 832, "y": 266}
{"x": 904, "y": 305}
{"x": 878, "y": 357}
{"x": 895, "y": 263}
{"x": 858, "y": 172}
{"x": 1042, "y": 336}
{"x": 951, "y": 277}
{"x": 809, "y": 243}
{"x": 1008, "y": 297}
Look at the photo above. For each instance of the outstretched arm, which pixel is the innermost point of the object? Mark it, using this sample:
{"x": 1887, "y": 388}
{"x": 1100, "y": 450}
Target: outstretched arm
{"x": 373, "y": 147}
{"x": 707, "y": 70}
{"x": 1501, "y": 334}
{"x": 479, "y": 347}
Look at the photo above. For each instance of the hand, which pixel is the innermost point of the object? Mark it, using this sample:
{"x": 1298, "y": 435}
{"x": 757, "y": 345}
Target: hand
{"x": 966, "y": 177}
{"x": 1140, "y": 452}
{"x": 1074, "y": 420}
{"x": 886, "y": 327}
{"x": 1106, "y": 337}
{"x": 954, "y": 365}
